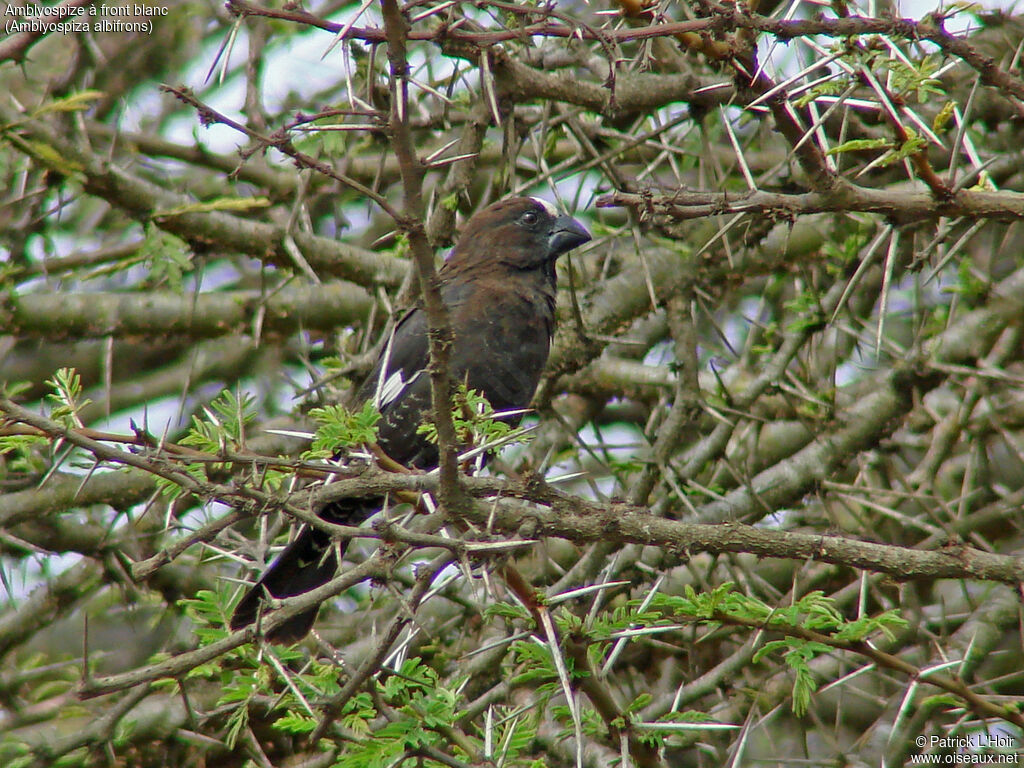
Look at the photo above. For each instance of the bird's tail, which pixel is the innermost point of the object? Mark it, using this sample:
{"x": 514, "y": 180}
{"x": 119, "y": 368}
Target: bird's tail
{"x": 310, "y": 561}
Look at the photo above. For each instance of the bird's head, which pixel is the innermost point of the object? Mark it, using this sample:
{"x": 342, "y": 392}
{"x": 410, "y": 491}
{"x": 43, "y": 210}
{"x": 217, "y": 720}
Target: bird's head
{"x": 520, "y": 234}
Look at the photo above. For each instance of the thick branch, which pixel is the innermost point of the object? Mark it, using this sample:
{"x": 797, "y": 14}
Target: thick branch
{"x": 205, "y": 315}
{"x": 61, "y": 493}
{"x": 592, "y": 523}
{"x": 904, "y": 205}
{"x": 581, "y": 521}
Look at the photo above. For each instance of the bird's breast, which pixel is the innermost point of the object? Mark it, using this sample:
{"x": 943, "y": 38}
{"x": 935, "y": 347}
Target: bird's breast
{"x": 502, "y": 346}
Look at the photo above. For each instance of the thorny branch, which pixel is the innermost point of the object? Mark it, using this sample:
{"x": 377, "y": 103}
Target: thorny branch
{"x": 412, "y": 223}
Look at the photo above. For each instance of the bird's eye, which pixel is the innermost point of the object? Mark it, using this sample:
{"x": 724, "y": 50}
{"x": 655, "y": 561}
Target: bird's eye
{"x": 529, "y": 218}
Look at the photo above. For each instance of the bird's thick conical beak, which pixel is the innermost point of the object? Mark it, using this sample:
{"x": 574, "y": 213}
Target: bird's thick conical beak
{"x": 566, "y": 234}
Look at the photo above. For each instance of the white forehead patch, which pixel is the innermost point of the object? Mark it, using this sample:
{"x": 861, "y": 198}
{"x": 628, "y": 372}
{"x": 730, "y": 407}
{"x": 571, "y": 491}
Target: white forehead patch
{"x": 548, "y": 207}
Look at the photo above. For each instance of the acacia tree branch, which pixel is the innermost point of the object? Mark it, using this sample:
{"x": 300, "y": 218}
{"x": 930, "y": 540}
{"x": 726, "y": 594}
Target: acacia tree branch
{"x": 582, "y": 521}
{"x": 281, "y": 140}
{"x": 175, "y": 213}
{"x": 97, "y": 448}
{"x": 439, "y": 331}
{"x": 159, "y": 463}
{"x": 905, "y": 205}
{"x": 177, "y": 666}
{"x": 120, "y": 489}
{"x": 203, "y": 315}
{"x": 585, "y": 523}
{"x": 955, "y": 685}
{"x": 371, "y": 665}
{"x": 776, "y": 487}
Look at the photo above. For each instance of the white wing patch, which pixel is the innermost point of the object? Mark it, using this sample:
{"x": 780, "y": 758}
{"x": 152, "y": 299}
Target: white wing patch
{"x": 548, "y": 207}
{"x": 391, "y": 389}
{"x": 384, "y": 369}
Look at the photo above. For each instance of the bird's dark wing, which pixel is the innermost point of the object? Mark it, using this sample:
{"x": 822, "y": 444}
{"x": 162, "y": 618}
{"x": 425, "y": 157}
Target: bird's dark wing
{"x": 404, "y": 356}
{"x": 400, "y": 385}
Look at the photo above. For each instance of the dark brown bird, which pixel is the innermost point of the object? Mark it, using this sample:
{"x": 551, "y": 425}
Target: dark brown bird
{"x": 499, "y": 286}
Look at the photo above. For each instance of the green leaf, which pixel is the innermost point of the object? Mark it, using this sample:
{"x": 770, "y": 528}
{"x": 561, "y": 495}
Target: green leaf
{"x": 25, "y": 453}
{"x": 237, "y": 723}
{"x": 832, "y": 87}
{"x": 67, "y": 397}
{"x": 969, "y": 286}
{"x": 858, "y": 145}
{"x": 915, "y": 77}
{"x": 234, "y": 204}
{"x": 52, "y": 159}
{"x": 73, "y": 103}
{"x": 170, "y": 490}
{"x": 341, "y": 428}
{"x": 798, "y": 654}
{"x": 508, "y": 611}
{"x": 639, "y": 703}
{"x": 167, "y": 256}
{"x": 943, "y": 116}
{"x": 475, "y": 421}
{"x": 224, "y": 425}
{"x": 295, "y": 723}
{"x": 911, "y": 146}
{"x": 886, "y": 623}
